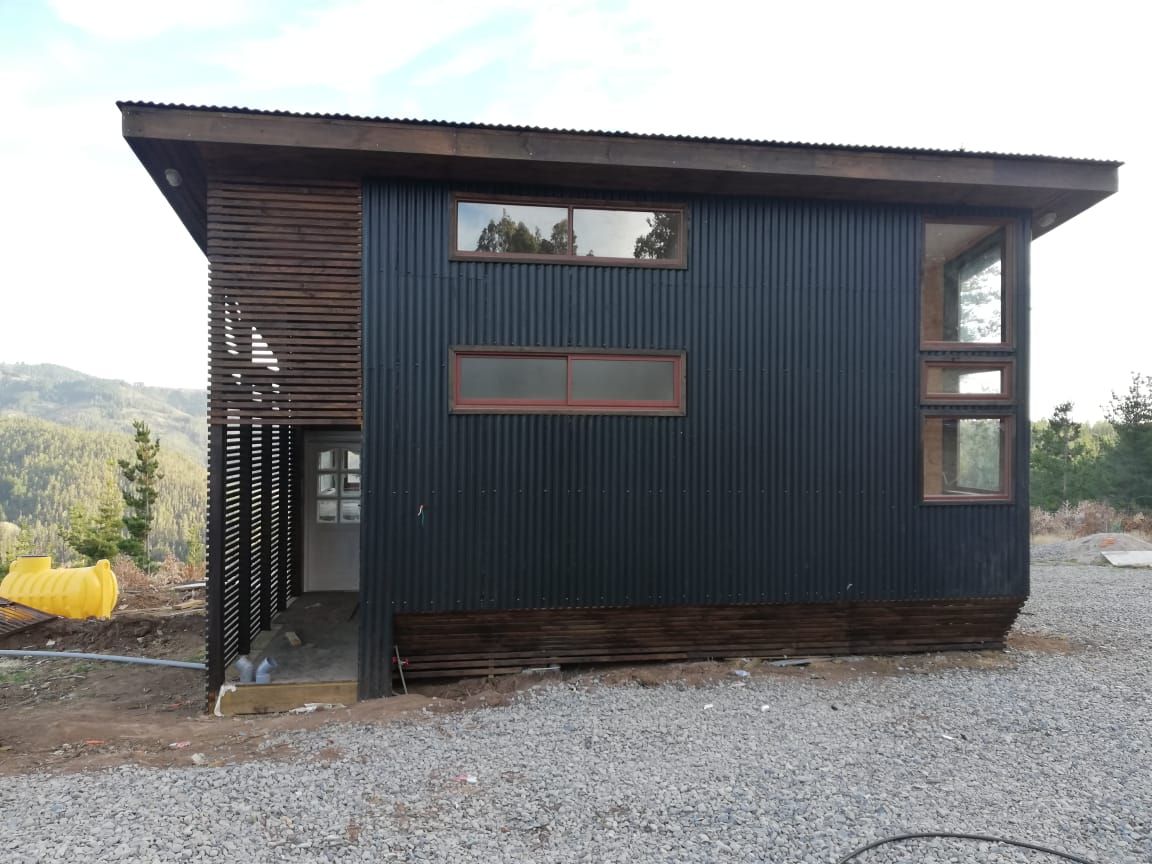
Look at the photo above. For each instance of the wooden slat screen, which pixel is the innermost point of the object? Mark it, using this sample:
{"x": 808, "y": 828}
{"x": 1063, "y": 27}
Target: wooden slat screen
{"x": 284, "y": 315}
{"x": 251, "y": 538}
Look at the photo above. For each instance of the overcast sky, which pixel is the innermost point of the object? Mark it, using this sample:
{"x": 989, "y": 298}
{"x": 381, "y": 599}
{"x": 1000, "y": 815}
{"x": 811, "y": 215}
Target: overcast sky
{"x": 98, "y": 274}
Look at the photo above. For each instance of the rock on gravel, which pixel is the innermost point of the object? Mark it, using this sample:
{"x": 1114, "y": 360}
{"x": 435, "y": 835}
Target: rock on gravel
{"x": 1056, "y": 749}
{"x": 1088, "y": 550}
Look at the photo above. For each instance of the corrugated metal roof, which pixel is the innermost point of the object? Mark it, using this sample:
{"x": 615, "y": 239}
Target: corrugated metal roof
{"x": 697, "y": 139}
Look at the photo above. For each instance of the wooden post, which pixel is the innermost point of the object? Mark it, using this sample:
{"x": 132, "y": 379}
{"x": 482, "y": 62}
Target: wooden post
{"x": 214, "y": 576}
{"x": 266, "y": 528}
{"x": 245, "y": 568}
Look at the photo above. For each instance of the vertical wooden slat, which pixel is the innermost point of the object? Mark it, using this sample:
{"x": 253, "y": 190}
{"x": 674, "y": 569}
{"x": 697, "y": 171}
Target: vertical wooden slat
{"x": 214, "y": 578}
{"x": 266, "y": 527}
{"x": 296, "y": 515}
{"x": 287, "y": 525}
{"x": 245, "y": 563}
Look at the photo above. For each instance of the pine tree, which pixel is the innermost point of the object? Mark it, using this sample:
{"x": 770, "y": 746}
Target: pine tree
{"x": 97, "y": 535}
{"x": 14, "y": 542}
{"x": 1128, "y": 461}
{"x": 141, "y": 478}
{"x": 1058, "y": 454}
{"x": 194, "y": 540}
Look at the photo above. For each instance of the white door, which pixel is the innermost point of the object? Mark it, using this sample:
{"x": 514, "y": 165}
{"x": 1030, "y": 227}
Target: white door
{"x": 332, "y": 513}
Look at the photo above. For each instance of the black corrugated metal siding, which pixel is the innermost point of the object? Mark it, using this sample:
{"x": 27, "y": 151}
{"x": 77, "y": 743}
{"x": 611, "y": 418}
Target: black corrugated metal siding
{"x": 793, "y": 476}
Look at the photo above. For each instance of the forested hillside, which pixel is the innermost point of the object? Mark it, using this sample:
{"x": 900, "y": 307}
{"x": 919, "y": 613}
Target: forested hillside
{"x": 46, "y": 469}
{"x": 74, "y": 399}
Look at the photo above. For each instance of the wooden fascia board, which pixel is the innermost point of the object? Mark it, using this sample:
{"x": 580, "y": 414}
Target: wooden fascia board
{"x": 622, "y": 153}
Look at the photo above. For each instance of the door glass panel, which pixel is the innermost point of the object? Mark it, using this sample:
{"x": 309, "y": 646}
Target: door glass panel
{"x": 325, "y": 511}
{"x": 338, "y": 485}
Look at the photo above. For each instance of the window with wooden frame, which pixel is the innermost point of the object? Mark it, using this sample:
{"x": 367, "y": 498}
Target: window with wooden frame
{"x": 497, "y": 228}
{"x": 967, "y": 458}
{"x": 944, "y": 381}
{"x": 966, "y": 285}
{"x": 494, "y": 380}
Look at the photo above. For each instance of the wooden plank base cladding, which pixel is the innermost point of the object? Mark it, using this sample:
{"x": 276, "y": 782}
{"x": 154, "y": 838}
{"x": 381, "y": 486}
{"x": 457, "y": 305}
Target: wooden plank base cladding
{"x": 285, "y": 302}
{"x": 490, "y": 642}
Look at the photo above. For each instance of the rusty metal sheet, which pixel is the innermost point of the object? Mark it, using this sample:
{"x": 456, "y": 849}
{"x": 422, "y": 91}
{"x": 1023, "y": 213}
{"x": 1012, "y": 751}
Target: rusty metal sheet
{"x": 15, "y": 617}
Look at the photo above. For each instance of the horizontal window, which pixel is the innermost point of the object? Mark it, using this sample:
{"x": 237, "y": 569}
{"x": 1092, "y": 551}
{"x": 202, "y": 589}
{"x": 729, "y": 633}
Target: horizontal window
{"x": 568, "y": 232}
{"x": 967, "y": 458}
{"x": 502, "y": 380}
{"x": 964, "y": 284}
{"x": 962, "y": 381}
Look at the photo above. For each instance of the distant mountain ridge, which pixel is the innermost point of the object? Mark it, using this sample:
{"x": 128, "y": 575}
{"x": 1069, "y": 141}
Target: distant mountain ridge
{"x": 46, "y": 469}
{"x": 70, "y": 398}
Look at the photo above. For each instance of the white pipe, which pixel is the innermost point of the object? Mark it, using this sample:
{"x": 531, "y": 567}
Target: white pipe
{"x": 112, "y": 658}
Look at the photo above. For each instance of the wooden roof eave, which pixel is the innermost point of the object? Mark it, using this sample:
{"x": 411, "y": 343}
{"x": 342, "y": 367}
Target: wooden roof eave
{"x": 1054, "y": 190}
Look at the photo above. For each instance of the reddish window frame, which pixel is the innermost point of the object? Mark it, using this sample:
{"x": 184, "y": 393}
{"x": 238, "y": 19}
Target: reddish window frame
{"x": 459, "y": 405}
{"x": 680, "y": 262}
{"x": 1007, "y": 443}
{"x": 1006, "y": 367}
{"x": 1008, "y": 284}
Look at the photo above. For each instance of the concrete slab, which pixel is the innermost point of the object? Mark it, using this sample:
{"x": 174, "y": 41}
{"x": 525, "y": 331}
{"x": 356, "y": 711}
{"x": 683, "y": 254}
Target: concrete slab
{"x": 327, "y": 624}
{"x": 1129, "y": 559}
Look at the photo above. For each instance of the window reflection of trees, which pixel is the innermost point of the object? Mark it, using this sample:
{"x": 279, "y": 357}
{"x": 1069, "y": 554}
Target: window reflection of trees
{"x": 508, "y": 235}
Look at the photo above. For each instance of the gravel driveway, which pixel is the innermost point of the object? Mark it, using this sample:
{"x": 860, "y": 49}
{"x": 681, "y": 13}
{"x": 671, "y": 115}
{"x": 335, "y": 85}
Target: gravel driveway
{"x": 1057, "y": 750}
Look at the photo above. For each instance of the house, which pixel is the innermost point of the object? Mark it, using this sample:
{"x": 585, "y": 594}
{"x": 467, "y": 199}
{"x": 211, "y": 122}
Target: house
{"x": 534, "y": 396}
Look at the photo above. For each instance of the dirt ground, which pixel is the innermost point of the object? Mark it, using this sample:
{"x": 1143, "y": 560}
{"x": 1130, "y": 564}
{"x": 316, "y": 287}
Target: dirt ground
{"x": 73, "y": 715}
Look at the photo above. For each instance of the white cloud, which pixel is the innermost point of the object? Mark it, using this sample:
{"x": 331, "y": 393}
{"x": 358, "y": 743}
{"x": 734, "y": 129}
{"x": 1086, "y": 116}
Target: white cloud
{"x": 131, "y": 20}
{"x": 349, "y": 46}
{"x": 126, "y": 284}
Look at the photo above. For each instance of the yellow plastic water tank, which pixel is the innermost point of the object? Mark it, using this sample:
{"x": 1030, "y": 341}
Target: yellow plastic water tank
{"x": 70, "y": 592}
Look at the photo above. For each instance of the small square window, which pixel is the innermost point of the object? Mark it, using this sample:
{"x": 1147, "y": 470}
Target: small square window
{"x": 966, "y": 458}
{"x": 349, "y": 511}
{"x": 326, "y": 485}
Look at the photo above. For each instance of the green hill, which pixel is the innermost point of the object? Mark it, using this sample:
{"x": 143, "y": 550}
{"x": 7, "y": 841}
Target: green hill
{"x": 72, "y": 398}
{"x": 47, "y": 468}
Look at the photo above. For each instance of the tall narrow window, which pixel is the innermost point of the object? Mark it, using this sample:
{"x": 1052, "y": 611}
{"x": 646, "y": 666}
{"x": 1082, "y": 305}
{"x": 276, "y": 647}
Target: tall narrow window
{"x": 965, "y": 285}
{"x": 338, "y": 485}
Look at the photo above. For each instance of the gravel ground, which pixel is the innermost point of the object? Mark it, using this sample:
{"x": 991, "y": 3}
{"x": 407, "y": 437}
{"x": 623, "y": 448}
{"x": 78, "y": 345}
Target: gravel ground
{"x": 1057, "y": 750}
{"x": 1087, "y": 550}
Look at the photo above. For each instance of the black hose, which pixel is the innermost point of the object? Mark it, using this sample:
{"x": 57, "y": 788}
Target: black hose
{"x": 980, "y": 837}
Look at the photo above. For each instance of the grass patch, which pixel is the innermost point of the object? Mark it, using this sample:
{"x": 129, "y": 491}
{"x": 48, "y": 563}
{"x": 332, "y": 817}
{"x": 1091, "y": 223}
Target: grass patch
{"x": 16, "y": 676}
